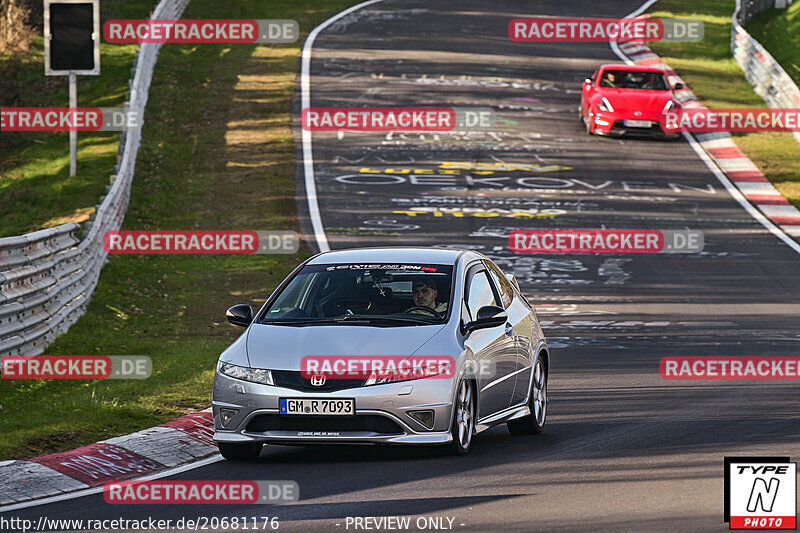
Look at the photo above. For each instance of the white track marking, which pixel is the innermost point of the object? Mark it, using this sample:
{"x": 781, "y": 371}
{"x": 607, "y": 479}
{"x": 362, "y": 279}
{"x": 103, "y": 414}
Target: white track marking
{"x": 737, "y": 194}
{"x": 305, "y": 102}
{"x": 712, "y": 166}
{"x": 636, "y": 13}
{"x": 99, "y": 489}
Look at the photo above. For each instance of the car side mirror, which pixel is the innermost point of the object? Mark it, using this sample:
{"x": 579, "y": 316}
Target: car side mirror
{"x": 240, "y": 315}
{"x": 678, "y": 87}
{"x": 588, "y": 81}
{"x": 488, "y": 316}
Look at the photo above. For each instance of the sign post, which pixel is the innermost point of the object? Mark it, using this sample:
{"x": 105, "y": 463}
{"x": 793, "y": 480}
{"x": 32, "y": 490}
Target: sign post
{"x": 72, "y": 48}
{"x": 73, "y": 135}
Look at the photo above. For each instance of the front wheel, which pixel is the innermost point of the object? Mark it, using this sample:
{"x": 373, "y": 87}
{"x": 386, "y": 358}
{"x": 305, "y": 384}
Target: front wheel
{"x": 463, "y": 425}
{"x": 240, "y": 452}
{"x": 534, "y": 422}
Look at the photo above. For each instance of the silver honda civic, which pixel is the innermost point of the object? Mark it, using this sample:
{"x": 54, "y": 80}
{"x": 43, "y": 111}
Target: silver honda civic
{"x": 322, "y": 360}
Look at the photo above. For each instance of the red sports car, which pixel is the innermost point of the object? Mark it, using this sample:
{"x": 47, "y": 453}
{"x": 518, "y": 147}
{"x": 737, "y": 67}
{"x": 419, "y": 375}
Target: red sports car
{"x": 620, "y": 99}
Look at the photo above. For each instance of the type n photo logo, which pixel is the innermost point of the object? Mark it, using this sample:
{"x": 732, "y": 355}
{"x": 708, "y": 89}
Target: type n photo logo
{"x": 760, "y": 493}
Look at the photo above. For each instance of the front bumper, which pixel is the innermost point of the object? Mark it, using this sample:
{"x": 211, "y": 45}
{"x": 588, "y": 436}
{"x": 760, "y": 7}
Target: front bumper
{"x": 381, "y": 414}
{"x": 613, "y": 123}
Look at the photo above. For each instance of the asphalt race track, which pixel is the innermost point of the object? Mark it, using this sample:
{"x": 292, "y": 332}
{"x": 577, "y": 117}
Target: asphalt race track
{"x": 623, "y": 449}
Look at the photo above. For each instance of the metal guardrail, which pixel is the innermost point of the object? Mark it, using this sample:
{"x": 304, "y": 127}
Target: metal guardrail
{"x": 47, "y": 277}
{"x": 768, "y": 78}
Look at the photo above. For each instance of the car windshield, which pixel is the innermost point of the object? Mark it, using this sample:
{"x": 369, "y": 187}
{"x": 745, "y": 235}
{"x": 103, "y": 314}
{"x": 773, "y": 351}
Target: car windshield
{"x": 634, "y": 79}
{"x": 386, "y": 295}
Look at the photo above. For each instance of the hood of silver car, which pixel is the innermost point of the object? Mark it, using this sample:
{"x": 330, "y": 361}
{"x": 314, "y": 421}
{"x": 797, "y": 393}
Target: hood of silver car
{"x": 282, "y": 347}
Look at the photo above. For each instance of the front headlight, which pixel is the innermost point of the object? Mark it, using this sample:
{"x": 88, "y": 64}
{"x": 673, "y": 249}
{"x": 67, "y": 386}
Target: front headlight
{"x": 605, "y": 105}
{"x": 374, "y": 380}
{"x": 256, "y": 375}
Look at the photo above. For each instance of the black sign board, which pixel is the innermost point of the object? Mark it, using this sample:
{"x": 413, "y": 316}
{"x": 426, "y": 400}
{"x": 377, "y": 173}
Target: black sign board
{"x": 72, "y": 40}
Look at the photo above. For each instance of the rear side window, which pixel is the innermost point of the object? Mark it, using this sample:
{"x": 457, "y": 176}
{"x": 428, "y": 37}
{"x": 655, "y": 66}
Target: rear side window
{"x": 479, "y": 293}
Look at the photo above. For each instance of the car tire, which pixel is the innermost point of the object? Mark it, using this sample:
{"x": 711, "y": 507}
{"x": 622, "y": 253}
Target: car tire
{"x": 240, "y": 452}
{"x": 588, "y": 124}
{"x": 537, "y": 402}
{"x": 462, "y": 427}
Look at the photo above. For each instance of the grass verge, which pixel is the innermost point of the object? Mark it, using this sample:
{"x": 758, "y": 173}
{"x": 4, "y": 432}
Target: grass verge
{"x": 714, "y": 76}
{"x": 778, "y": 30}
{"x": 217, "y": 153}
{"x": 36, "y": 190}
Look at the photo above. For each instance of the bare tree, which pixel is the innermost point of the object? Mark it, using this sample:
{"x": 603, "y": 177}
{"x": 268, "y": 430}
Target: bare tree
{"x": 15, "y": 34}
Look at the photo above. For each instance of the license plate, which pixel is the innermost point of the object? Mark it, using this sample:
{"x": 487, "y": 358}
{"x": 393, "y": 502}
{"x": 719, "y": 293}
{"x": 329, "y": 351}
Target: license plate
{"x": 638, "y": 123}
{"x": 317, "y": 406}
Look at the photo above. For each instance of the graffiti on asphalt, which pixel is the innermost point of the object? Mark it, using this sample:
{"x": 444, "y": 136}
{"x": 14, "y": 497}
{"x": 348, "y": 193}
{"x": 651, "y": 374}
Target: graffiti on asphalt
{"x": 480, "y": 212}
{"x": 502, "y": 183}
{"x": 457, "y": 168}
{"x": 487, "y": 201}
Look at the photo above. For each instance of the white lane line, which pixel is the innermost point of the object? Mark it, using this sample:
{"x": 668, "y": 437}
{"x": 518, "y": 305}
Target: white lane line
{"x": 99, "y": 489}
{"x": 636, "y": 13}
{"x": 712, "y": 166}
{"x": 305, "y": 102}
{"x": 731, "y": 188}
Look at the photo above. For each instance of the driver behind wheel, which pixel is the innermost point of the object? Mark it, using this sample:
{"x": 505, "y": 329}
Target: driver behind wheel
{"x": 425, "y": 294}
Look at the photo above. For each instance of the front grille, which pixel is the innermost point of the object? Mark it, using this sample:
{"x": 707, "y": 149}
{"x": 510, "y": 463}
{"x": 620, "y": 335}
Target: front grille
{"x": 294, "y": 380}
{"x": 373, "y": 423}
